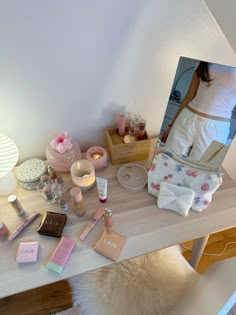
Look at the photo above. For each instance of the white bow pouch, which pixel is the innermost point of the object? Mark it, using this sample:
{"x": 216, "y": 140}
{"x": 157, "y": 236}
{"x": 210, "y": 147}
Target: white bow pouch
{"x": 175, "y": 198}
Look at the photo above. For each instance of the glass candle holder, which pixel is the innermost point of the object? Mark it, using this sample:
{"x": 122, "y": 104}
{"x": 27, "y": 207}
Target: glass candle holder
{"x": 97, "y": 156}
{"x": 83, "y": 174}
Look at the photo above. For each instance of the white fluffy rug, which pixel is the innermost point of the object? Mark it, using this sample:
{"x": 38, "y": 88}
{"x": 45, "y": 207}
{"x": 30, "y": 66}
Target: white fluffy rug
{"x": 70, "y": 311}
{"x": 145, "y": 285}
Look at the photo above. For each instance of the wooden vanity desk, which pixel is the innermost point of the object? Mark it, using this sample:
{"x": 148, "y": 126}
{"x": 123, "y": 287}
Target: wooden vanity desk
{"x": 135, "y": 216}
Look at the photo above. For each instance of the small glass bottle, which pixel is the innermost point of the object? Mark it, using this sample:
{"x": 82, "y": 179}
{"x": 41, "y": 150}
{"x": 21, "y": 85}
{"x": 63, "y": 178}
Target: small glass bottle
{"x": 48, "y": 194}
{"x": 63, "y": 204}
{"x": 141, "y": 131}
{"x": 77, "y": 199}
{"x": 60, "y": 181}
{"x": 107, "y": 217}
{"x": 3, "y": 229}
{"x": 44, "y": 180}
{"x": 56, "y": 182}
{"x": 16, "y": 205}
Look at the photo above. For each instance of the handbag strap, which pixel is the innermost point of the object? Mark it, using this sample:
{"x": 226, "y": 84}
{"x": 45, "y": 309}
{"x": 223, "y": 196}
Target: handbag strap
{"x": 186, "y": 160}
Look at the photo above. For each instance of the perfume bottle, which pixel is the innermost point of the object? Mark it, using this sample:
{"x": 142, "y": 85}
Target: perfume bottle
{"x": 45, "y": 189}
{"x": 107, "y": 217}
{"x": 121, "y": 125}
{"x": 77, "y": 199}
{"x": 141, "y": 130}
{"x": 56, "y": 182}
{"x": 48, "y": 194}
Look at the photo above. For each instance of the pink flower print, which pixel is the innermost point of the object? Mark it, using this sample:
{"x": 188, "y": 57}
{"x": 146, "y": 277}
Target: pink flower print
{"x": 170, "y": 175}
{"x": 191, "y": 173}
{"x": 204, "y": 187}
{"x": 152, "y": 167}
{"x": 165, "y": 177}
{"x": 165, "y": 164}
{"x": 206, "y": 203}
{"x": 155, "y": 186}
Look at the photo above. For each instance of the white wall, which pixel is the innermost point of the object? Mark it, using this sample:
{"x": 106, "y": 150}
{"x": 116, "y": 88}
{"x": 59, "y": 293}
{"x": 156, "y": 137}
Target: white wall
{"x": 74, "y": 65}
{"x": 224, "y": 14}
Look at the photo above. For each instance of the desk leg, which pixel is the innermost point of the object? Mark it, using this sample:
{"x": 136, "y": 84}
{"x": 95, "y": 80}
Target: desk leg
{"x": 197, "y": 250}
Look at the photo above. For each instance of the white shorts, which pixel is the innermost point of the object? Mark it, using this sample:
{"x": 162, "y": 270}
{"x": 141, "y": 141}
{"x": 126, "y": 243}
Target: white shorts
{"x": 192, "y": 134}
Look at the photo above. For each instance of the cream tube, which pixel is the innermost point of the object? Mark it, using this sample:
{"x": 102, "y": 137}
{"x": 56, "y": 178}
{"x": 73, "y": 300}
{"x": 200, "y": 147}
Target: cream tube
{"x": 102, "y": 189}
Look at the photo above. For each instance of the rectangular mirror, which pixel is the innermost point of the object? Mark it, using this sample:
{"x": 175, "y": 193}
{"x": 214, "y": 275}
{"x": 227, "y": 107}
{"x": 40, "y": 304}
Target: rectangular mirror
{"x": 200, "y": 118}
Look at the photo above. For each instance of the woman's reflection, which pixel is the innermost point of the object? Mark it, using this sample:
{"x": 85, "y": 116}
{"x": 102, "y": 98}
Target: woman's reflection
{"x": 205, "y": 112}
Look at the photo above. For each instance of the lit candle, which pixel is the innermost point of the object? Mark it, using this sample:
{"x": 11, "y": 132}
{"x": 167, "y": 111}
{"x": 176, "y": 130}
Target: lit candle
{"x": 97, "y": 156}
{"x": 83, "y": 174}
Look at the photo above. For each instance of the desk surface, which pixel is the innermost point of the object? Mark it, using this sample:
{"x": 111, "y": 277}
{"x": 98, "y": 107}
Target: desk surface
{"x": 135, "y": 216}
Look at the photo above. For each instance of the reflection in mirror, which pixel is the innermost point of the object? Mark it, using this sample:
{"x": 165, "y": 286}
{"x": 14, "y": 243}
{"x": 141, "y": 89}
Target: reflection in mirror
{"x": 200, "y": 119}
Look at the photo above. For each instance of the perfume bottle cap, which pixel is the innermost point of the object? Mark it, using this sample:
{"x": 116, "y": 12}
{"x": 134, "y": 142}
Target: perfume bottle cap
{"x": 76, "y": 194}
{"x": 12, "y": 198}
{"x": 107, "y": 212}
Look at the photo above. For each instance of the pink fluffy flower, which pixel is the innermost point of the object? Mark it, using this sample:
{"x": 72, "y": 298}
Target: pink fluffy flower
{"x": 61, "y": 143}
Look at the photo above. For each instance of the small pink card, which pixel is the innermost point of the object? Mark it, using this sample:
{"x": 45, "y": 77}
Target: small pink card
{"x": 27, "y": 252}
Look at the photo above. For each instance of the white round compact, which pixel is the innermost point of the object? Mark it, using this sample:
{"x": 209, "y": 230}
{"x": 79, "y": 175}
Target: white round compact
{"x": 132, "y": 176}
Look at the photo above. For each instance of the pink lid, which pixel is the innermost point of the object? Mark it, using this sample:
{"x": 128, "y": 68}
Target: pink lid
{"x": 76, "y": 194}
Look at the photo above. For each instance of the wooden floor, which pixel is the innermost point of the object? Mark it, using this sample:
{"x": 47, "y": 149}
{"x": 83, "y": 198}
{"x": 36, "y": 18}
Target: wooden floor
{"x": 57, "y": 297}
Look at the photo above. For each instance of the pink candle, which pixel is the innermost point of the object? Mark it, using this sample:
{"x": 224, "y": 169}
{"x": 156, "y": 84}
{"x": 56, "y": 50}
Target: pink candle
{"x": 97, "y": 156}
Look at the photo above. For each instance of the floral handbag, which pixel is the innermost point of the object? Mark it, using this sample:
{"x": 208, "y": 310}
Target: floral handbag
{"x": 202, "y": 179}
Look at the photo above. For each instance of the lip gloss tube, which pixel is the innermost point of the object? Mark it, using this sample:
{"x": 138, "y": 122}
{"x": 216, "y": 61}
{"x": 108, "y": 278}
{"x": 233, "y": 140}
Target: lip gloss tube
{"x": 23, "y": 225}
{"x": 92, "y": 222}
{"x": 61, "y": 255}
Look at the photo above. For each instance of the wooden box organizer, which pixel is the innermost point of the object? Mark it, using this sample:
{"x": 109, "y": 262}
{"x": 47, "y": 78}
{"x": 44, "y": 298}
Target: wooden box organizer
{"x": 121, "y": 152}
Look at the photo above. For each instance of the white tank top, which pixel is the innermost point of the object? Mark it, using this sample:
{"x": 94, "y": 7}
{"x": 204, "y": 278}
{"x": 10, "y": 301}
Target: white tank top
{"x": 218, "y": 97}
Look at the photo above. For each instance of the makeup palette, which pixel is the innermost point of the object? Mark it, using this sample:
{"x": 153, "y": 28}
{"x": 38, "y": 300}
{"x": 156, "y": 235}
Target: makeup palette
{"x": 52, "y": 224}
{"x": 110, "y": 244}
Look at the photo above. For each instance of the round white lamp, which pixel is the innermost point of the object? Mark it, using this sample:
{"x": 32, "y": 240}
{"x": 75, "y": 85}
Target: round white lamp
{"x": 8, "y": 158}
